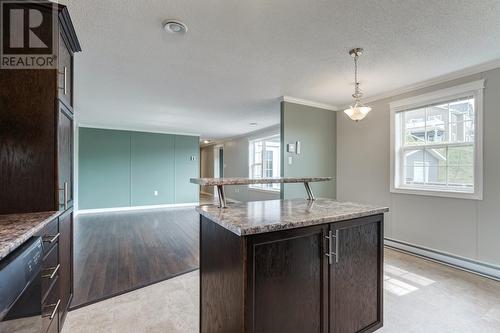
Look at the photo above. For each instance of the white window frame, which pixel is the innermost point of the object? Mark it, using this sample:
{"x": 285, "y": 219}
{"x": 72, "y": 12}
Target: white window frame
{"x": 474, "y": 89}
{"x": 259, "y": 187}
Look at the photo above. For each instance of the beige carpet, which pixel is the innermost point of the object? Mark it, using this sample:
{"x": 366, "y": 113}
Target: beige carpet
{"x": 420, "y": 296}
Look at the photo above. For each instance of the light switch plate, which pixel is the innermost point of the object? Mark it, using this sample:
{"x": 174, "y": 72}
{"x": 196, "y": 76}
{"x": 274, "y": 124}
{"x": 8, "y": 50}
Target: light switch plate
{"x": 290, "y": 147}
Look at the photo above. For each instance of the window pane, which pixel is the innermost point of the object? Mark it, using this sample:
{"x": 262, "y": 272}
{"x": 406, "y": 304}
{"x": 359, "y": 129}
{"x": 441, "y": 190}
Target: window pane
{"x": 435, "y": 175}
{"x": 461, "y": 156}
{"x": 257, "y": 171}
{"x": 415, "y": 136}
{"x": 461, "y": 176}
{"x": 265, "y": 160}
{"x": 414, "y": 124}
{"x": 414, "y": 166}
{"x": 437, "y": 118}
{"x": 462, "y": 132}
{"x": 451, "y": 127}
{"x": 462, "y": 110}
{"x": 435, "y": 157}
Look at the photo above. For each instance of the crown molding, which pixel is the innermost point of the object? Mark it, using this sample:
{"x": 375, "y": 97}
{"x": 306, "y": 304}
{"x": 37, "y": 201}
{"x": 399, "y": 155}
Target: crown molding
{"x": 486, "y": 66}
{"x": 250, "y": 135}
{"x": 129, "y": 129}
{"x": 306, "y": 102}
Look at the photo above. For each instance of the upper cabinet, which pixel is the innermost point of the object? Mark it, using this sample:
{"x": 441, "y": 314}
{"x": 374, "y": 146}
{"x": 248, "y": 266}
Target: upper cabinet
{"x": 36, "y": 128}
{"x": 68, "y": 46}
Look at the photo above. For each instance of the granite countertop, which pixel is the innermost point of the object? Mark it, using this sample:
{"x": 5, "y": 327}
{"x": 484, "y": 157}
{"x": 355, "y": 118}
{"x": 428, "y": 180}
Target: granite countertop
{"x": 248, "y": 181}
{"x": 15, "y": 229}
{"x": 272, "y": 215}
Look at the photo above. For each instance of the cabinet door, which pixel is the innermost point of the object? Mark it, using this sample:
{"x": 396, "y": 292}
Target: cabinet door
{"x": 65, "y": 262}
{"x": 65, "y": 157}
{"x": 356, "y": 275}
{"x": 65, "y": 77}
{"x": 288, "y": 281}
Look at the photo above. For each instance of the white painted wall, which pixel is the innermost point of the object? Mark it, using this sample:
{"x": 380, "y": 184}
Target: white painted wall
{"x": 466, "y": 228}
{"x": 236, "y": 165}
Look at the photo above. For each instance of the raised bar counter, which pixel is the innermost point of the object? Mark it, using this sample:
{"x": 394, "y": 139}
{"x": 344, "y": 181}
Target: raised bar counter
{"x": 249, "y": 181}
{"x": 221, "y": 182}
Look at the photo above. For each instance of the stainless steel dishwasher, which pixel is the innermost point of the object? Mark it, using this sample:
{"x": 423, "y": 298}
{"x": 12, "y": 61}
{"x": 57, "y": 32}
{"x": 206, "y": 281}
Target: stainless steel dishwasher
{"x": 20, "y": 289}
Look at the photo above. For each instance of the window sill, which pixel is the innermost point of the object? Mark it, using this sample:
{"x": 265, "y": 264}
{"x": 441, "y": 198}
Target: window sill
{"x": 438, "y": 193}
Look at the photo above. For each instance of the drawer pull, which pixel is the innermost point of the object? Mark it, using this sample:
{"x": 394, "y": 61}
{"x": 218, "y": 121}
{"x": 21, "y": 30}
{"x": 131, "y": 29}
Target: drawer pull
{"x": 65, "y": 191}
{"x": 53, "y": 274}
{"x": 51, "y": 239}
{"x": 54, "y": 312}
{"x": 65, "y": 80}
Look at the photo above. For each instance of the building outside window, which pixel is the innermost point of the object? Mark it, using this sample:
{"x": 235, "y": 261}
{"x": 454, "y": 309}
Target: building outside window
{"x": 264, "y": 161}
{"x": 436, "y": 143}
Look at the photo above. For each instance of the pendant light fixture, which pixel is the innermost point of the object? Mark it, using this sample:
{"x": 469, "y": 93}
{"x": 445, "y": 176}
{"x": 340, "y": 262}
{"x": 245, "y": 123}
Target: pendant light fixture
{"x": 357, "y": 111}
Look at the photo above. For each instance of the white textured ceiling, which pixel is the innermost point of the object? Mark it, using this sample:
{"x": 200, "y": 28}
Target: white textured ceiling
{"x": 240, "y": 56}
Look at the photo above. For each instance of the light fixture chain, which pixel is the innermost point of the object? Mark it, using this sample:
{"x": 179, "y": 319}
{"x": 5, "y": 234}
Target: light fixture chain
{"x": 356, "y": 83}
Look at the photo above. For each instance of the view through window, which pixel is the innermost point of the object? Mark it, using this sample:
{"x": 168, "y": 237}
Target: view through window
{"x": 436, "y": 146}
{"x": 264, "y": 161}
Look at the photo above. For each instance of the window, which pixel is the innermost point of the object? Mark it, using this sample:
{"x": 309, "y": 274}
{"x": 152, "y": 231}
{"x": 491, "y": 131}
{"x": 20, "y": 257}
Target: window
{"x": 436, "y": 143}
{"x": 264, "y": 161}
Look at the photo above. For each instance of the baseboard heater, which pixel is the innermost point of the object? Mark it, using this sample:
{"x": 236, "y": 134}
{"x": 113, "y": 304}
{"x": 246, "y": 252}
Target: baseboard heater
{"x": 472, "y": 266}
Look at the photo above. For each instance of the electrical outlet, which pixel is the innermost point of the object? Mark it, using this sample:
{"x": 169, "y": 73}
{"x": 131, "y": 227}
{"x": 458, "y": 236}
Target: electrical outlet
{"x": 155, "y": 193}
{"x": 290, "y": 160}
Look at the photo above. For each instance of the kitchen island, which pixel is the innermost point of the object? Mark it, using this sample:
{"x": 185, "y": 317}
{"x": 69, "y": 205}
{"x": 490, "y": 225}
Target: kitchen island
{"x": 291, "y": 266}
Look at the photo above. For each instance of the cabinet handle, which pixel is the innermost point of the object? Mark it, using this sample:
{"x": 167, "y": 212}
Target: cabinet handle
{"x": 53, "y": 313}
{"x": 65, "y": 80}
{"x": 330, "y": 253}
{"x": 65, "y": 191}
{"x": 53, "y": 274}
{"x": 51, "y": 239}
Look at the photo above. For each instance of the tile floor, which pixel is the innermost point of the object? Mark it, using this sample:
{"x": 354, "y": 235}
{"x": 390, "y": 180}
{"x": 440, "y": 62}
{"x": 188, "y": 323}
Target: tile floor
{"x": 420, "y": 296}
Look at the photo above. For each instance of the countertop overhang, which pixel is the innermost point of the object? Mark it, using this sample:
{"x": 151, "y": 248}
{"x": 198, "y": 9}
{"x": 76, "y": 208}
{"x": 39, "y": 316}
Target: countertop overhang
{"x": 249, "y": 181}
{"x": 258, "y": 217}
{"x": 15, "y": 229}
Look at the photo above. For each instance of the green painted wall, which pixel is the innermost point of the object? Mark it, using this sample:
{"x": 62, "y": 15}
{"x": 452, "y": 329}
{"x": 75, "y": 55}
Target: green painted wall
{"x": 316, "y": 130}
{"x": 152, "y": 169}
{"x": 125, "y": 168}
{"x": 104, "y": 168}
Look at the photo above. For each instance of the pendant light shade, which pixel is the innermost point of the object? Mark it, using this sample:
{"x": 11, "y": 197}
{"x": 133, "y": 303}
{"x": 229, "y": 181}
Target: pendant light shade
{"x": 358, "y": 111}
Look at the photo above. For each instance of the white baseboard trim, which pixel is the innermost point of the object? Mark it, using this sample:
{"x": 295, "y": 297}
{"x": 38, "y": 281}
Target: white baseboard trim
{"x": 124, "y": 209}
{"x": 469, "y": 265}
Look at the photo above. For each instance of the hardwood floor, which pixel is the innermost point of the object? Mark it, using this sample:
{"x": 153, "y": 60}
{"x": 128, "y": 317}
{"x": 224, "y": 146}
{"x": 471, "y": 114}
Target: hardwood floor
{"x": 119, "y": 252}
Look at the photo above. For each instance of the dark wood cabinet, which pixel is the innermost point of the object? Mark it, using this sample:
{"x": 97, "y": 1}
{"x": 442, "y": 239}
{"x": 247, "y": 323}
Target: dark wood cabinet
{"x": 36, "y": 131}
{"x": 65, "y": 72}
{"x": 65, "y": 157}
{"x": 356, "y": 276}
{"x": 283, "y": 281}
{"x": 65, "y": 261}
{"x": 37, "y": 154}
{"x": 281, "y": 261}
